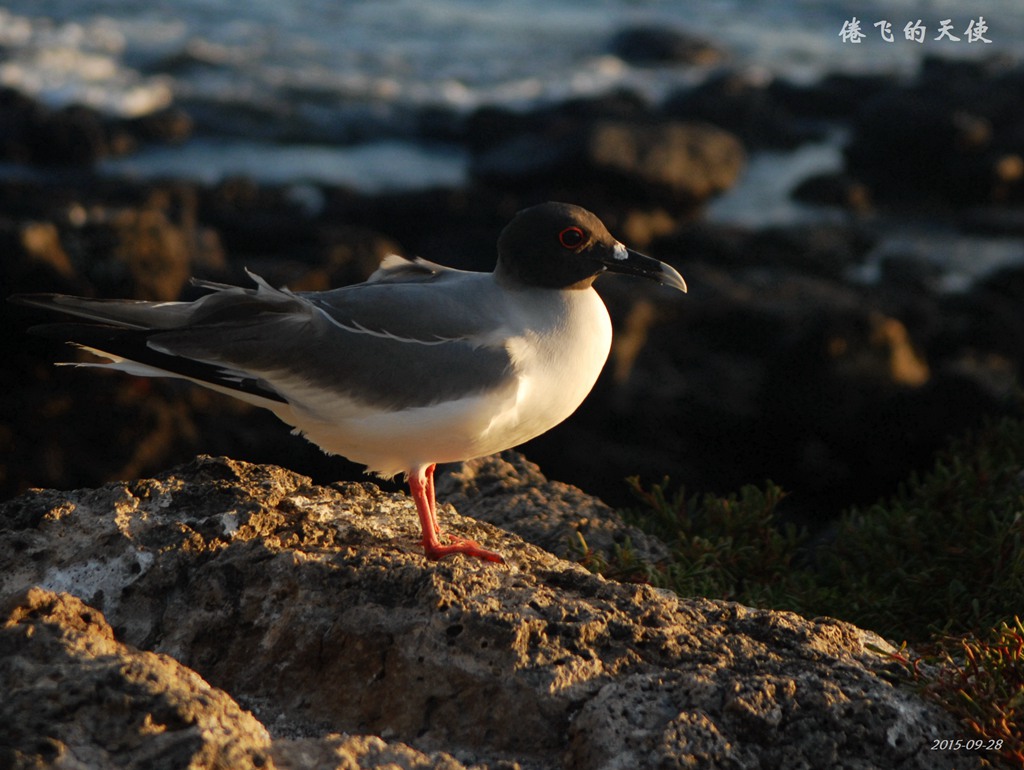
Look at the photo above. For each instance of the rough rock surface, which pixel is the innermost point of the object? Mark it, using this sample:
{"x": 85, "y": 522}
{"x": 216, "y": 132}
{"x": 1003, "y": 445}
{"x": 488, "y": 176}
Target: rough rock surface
{"x": 59, "y": 657}
{"x": 139, "y": 709}
{"x": 510, "y": 492}
{"x": 313, "y": 608}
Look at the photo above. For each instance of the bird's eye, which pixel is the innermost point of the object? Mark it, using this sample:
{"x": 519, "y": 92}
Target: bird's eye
{"x": 571, "y": 237}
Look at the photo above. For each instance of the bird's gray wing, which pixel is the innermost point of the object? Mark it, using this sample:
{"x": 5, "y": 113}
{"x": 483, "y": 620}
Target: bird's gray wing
{"x": 397, "y": 269}
{"x": 390, "y": 345}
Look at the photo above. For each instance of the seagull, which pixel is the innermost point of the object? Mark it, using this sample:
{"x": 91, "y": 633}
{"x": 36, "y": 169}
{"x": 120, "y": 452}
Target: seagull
{"x": 421, "y": 364}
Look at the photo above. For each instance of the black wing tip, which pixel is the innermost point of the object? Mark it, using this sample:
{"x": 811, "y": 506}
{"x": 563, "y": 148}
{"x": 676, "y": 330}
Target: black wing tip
{"x": 69, "y": 332}
{"x": 40, "y": 299}
{"x": 131, "y": 345}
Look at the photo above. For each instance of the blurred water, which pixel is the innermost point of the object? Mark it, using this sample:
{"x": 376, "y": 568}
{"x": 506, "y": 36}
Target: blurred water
{"x": 318, "y": 62}
{"x": 329, "y": 91}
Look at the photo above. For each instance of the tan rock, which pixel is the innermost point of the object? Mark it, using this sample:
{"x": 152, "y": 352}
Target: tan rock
{"x": 314, "y": 608}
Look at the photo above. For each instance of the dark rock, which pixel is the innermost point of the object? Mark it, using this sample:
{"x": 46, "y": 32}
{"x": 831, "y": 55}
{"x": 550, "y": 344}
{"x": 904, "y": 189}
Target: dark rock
{"x": 143, "y": 254}
{"x": 78, "y": 136}
{"x": 834, "y": 189}
{"x": 998, "y": 221}
{"x": 493, "y": 126}
{"x": 915, "y": 144}
{"x": 530, "y": 156}
{"x": 144, "y": 246}
{"x": 292, "y": 245}
{"x": 909, "y": 271}
{"x": 986, "y": 321}
{"x": 70, "y": 136}
{"x": 682, "y": 163}
{"x": 168, "y": 126}
{"x": 955, "y": 135}
{"x": 19, "y": 115}
{"x": 661, "y": 45}
{"x": 815, "y": 250}
{"x": 746, "y": 106}
{"x": 607, "y": 152}
{"x": 836, "y": 96}
{"x": 1007, "y": 282}
{"x": 32, "y": 133}
{"x": 33, "y": 256}
{"x": 314, "y": 607}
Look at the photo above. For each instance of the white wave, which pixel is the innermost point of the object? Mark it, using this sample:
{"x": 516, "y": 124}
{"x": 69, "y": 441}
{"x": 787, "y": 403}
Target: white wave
{"x": 76, "y": 63}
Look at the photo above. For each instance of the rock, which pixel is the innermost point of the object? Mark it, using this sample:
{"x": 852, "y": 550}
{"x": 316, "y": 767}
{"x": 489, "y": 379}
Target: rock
{"x": 77, "y": 135}
{"x": 995, "y": 221}
{"x": 988, "y": 318}
{"x": 18, "y": 115}
{"x": 614, "y": 151}
{"x": 915, "y": 144}
{"x": 819, "y": 250}
{"x": 135, "y": 709}
{"x": 147, "y": 256}
{"x": 661, "y": 45}
{"x": 744, "y": 104}
{"x": 526, "y": 156}
{"x": 834, "y": 189}
{"x": 33, "y": 256}
{"x": 683, "y": 164}
{"x": 168, "y": 126}
{"x": 131, "y": 708}
{"x": 146, "y": 248}
{"x": 73, "y": 136}
{"x": 290, "y": 243}
{"x": 951, "y": 136}
{"x": 314, "y": 608}
{"x": 691, "y": 162}
{"x": 510, "y": 492}
{"x": 491, "y": 126}
{"x": 836, "y": 96}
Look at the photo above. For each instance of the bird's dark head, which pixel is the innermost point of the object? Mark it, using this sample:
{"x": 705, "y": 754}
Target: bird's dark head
{"x": 561, "y": 246}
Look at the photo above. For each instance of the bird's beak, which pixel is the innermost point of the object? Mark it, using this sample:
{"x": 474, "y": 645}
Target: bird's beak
{"x": 623, "y": 260}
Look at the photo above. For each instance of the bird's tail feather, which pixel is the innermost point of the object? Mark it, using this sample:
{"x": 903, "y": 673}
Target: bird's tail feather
{"x": 127, "y": 350}
{"x": 125, "y": 313}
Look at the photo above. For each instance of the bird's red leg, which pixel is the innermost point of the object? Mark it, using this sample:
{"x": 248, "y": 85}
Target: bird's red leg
{"x": 421, "y": 485}
{"x": 433, "y": 499}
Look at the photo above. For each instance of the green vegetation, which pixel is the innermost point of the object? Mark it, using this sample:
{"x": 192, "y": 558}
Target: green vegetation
{"x": 944, "y": 556}
{"x": 980, "y": 680}
{"x": 940, "y": 564}
{"x": 721, "y": 547}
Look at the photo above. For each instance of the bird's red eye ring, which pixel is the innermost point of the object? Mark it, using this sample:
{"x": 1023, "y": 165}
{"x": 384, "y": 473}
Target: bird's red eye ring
{"x": 571, "y": 237}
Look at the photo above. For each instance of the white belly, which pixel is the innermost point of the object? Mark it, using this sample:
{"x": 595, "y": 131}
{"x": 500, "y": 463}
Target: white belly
{"x": 559, "y": 343}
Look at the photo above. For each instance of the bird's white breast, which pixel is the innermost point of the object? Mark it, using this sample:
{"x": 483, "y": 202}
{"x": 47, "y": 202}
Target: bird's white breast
{"x": 558, "y": 358}
{"x": 558, "y": 341}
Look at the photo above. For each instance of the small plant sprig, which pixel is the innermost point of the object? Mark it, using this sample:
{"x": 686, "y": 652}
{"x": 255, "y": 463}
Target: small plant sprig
{"x": 980, "y": 680}
{"x": 731, "y": 547}
{"x": 623, "y": 564}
